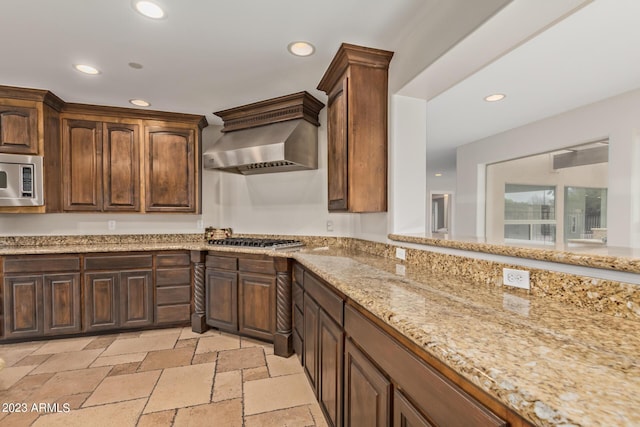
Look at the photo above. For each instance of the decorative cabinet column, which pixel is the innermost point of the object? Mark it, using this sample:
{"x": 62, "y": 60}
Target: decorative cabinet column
{"x": 283, "y": 339}
{"x": 198, "y": 318}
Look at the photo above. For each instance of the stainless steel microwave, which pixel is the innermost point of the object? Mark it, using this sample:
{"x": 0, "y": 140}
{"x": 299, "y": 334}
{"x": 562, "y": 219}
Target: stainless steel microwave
{"x": 21, "y": 180}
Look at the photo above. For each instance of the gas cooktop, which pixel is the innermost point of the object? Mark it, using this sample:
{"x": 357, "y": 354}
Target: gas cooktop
{"x": 257, "y": 243}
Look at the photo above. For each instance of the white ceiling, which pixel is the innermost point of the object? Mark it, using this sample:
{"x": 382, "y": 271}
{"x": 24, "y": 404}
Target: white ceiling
{"x": 205, "y": 56}
{"x": 588, "y": 56}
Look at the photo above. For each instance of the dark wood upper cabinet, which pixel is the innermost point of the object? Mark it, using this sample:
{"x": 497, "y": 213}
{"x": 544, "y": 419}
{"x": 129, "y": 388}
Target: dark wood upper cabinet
{"x": 171, "y": 178}
{"x": 101, "y": 166}
{"x": 121, "y": 167}
{"x": 82, "y": 155}
{"x": 18, "y": 129}
{"x": 356, "y": 83}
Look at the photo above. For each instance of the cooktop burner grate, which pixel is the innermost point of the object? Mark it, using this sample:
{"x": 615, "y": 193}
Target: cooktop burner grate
{"x": 257, "y": 243}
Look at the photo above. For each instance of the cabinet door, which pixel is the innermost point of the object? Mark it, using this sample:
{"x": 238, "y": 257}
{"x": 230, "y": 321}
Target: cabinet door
{"x": 330, "y": 353}
{"x": 18, "y": 130}
{"x": 121, "y": 167}
{"x": 338, "y": 149}
{"x": 222, "y": 299}
{"x": 367, "y": 393}
{"x": 62, "y": 304}
{"x": 170, "y": 170}
{"x": 257, "y": 305}
{"x": 82, "y": 168}
{"x": 101, "y": 301}
{"x": 405, "y": 414}
{"x": 136, "y": 298}
{"x": 23, "y": 306}
{"x": 310, "y": 341}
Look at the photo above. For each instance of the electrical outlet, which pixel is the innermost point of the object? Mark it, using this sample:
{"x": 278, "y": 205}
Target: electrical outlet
{"x": 516, "y": 278}
{"x": 401, "y": 253}
{"x": 329, "y": 225}
{"x": 111, "y": 225}
{"x": 200, "y": 224}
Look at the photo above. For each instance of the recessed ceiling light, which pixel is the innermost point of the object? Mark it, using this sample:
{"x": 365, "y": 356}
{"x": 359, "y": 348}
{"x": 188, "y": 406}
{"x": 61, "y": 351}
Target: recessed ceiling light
{"x": 495, "y": 97}
{"x": 437, "y": 174}
{"x": 149, "y": 9}
{"x": 301, "y": 48}
{"x": 87, "y": 69}
{"x": 140, "y": 102}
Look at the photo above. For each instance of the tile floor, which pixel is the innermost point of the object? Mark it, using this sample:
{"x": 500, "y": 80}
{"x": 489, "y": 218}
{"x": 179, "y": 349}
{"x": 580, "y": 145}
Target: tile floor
{"x": 168, "y": 377}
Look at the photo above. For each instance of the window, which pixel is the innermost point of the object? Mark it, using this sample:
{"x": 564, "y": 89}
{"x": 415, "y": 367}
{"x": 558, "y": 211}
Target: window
{"x": 529, "y": 213}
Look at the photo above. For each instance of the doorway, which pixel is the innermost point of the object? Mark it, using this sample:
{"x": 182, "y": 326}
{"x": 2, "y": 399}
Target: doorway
{"x": 441, "y": 207}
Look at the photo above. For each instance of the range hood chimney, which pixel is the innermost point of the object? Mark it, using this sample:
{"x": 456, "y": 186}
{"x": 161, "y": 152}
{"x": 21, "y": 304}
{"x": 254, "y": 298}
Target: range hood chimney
{"x": 276, "y": 135}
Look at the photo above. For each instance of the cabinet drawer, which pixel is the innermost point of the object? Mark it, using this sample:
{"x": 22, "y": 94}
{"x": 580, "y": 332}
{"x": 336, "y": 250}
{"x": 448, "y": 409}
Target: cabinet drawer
{"x": 41, "y": 264}
{"x": 298, "y": 320}
{"x": 256, "y": 266}
{"x": 172, "y": 260}
{"x": 173, "y": 295}
{"x": 118, "y": 262}
{"x": 173, "y": 313}
{"x": 222, "y": 262}
{"x": 434, "y": 395}
{"x": 173, "y": 277}
{"x": 330, "y": 302}
{"x": 298, "y": 295}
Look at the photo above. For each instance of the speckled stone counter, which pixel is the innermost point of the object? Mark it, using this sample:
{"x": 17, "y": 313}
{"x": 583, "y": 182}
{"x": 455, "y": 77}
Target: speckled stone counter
{"x": 552, "y": 363}
{"x": 612, "y": 258}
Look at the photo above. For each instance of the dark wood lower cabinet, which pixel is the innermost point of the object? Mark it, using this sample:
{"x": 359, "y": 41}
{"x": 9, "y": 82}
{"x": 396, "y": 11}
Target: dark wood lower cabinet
{"x": 222, "y": 299}
{"x": 257, "y": 305}
{"x": 61, "y": 298}
{"x": 405, "y": 414}
{"x": 367, "y": 392}
{"x": 101, "y": 304}
{"x": 330, "y": 357}
{"x": 136, "y": 298}
{"x": 23, "y": 317}
{"x": 310, "y": 344}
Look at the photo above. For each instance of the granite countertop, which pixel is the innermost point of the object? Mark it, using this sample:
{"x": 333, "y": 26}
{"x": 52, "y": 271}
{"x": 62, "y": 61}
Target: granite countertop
{"x": 554, "y": 364}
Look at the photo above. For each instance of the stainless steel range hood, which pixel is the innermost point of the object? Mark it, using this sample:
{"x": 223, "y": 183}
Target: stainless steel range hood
{"x": 277, "y": 135}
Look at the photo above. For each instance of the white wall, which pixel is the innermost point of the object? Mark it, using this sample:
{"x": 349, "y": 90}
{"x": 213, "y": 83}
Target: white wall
{"x": 616, "y": 118}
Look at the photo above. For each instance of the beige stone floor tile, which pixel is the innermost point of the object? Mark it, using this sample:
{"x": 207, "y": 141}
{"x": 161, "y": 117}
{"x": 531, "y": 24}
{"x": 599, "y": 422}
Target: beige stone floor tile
{"x": 70, "y": 382}
{"x": 119, "y": 359}
{"x": 167, "y": 359}
{"x": 23, "y": 419}
{"x": 141, "y": 344}
{"x": 166, "y": 331}
{"x": 300, "y": 416}
{"x": 217, "y": 343}
{"x": 227, "y": 385}
{"x": 64, "y": 345}
{"x": 283, "y": 366}
{"x": 318, "y": 415}
{"x": 73, "y": 401}
{"x": 122, "y": 414}
{"x": 181, "y": 387}
{"x": 101, "y": 342}
{"x": 123, "y": 387}
{"x": 32, "y": 360}
{"x": 68, "y": 361}
{"x": 227, "y": 413}
{"x": 10, "y": 376}
{"x": 13, "y": 353}
{"x": 189, "y": 342}
{"x": 187, "y": 333}
{"x": 157, "y": 419}
{"x": 251, "y": 342}
{"x": 293, "y": 390}
{"x": 252, "y": 374}
{"x": 125, "y": 368}
{"x": 204, "y": 358}
{"x": 232, "y": 360}
{"x": 19, "y": 391}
